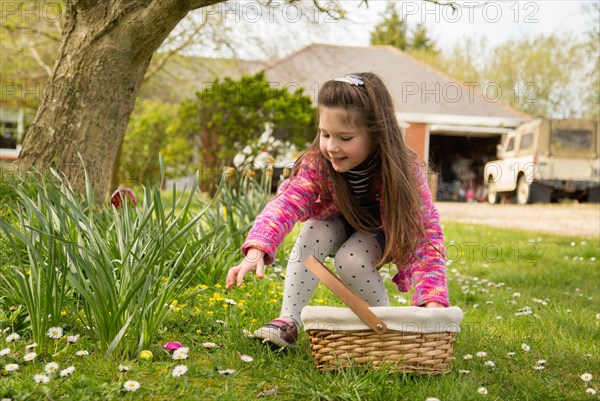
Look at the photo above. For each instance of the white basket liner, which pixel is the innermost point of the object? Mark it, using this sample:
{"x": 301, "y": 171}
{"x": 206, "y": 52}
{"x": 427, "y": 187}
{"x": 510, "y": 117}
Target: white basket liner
{"x": 410, "y": 319}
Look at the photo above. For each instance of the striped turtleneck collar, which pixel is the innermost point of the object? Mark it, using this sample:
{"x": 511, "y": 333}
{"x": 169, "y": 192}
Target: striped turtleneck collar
{"x": 359, "y": 177}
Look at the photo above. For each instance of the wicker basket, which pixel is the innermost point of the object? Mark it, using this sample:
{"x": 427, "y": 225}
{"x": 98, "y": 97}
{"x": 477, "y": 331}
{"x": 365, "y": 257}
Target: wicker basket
{"x": 399, "y": 339}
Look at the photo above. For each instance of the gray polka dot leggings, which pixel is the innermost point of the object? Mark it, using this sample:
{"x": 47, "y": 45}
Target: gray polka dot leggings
{"x": 355, "y": 257}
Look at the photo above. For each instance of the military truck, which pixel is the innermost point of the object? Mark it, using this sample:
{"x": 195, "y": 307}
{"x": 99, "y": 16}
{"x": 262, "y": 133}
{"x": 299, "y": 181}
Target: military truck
{"x": 546, "y": 160}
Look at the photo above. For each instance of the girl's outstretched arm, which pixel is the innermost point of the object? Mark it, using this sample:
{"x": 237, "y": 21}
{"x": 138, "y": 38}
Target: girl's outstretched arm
{"x": 254, "y": 260}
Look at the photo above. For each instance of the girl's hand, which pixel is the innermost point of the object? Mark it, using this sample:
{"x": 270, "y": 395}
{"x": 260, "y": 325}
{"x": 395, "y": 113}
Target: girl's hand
{"x": 433, "y": 305}
{"x": 254, "y": 260}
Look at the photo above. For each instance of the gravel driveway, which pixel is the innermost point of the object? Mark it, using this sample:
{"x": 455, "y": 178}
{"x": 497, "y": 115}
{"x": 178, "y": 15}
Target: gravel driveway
{"x": 582, "y": 220}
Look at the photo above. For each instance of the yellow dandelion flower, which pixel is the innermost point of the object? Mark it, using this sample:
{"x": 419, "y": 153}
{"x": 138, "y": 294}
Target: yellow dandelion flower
{"x": 217, "y": 297}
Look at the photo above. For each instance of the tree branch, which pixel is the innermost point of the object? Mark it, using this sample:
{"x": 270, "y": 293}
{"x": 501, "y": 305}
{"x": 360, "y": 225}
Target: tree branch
{"x": 161, "y": 63}
{"x": 39, "y": 60}
{"x": 31, "y": 29}
{"x": 195, "y": 4}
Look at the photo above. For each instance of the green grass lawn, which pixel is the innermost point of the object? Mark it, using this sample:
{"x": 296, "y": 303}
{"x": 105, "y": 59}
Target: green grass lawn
{"x": 532, "y": 310}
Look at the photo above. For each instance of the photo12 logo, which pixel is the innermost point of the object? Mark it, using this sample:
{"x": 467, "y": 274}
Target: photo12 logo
{"x": 31, "y": 11}
{"x": 471, "y": 11}
{"x": 272, "y": 11}
{"x": 494, "y": 252}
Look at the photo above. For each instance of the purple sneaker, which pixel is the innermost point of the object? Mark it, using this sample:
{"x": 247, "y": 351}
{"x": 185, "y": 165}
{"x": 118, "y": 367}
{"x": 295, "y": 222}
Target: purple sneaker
{"x": 278, "y": 332}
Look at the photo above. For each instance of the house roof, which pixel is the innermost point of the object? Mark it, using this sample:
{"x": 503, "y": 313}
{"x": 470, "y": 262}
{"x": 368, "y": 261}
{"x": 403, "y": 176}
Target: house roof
{"x": 417, "y": 88}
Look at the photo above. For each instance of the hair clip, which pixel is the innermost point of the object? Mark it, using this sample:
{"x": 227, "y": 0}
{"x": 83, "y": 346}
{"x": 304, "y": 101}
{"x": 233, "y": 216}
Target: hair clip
{"x": 351, "y": 79}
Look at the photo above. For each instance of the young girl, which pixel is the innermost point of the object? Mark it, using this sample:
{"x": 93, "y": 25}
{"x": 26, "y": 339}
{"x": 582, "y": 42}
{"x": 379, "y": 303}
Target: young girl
{"x": 364, "y": 198}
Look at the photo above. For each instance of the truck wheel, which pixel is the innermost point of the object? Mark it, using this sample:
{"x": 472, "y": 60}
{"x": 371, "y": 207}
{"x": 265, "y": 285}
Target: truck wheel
{"x": 523, "y": 191}
{"x": 492, "y": 195}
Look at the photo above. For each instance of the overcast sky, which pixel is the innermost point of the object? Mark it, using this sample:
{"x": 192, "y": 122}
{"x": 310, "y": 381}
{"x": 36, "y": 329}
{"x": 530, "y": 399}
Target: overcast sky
{"x": 496, "y": 20}
{"x": 282, "y": 30}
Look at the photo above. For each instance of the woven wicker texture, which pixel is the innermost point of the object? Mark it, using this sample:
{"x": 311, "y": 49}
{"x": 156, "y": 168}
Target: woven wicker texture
{"x": 423, "y": 353}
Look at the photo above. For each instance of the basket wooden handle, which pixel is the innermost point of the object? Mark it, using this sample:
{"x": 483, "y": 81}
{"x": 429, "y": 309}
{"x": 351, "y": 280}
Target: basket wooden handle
{"x": 345, "y": 293}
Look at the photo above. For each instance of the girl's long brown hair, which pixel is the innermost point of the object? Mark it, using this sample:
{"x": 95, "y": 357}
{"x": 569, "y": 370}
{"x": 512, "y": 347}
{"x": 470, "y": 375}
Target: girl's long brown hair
{"x": 370, "y": 107}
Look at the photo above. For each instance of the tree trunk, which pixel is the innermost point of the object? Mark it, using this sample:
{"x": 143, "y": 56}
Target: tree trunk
{"x": 105, "y": 50}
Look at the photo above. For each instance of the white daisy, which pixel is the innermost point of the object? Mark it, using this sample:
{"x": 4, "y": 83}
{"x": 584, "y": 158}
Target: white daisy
{"x": 67, "y": 372}
{"x": 227, "y": 372}
{"x": 541, "y": 362}
{"x": 181, "y": 353}
{"x": 131, "y": 385}
{"x": 467, "y": 357}
{"x": 124, "y": 368}
{"x": 525, "y": 347}
{"x": 230, "y": 301}
{"x": 246, "y": 358}
{"x": 12, "y": 337}
{"x": 482, "y": 390}
{"x": 481, "y": 354}
{"x": 539, "y": 367}
{"x": 586, "y": 377}
{"x": 11, "y": 367}
{"x": 432, "y": 399}
{"x": 55, "y": 332}
{"x": 464, "y": 372}
{"x": 82, "y": 353}
{"x": 490, "y": 364}
{"x": 51, "y": 367}
{"x": 590, "y": 391}
{"x": 179, "y": 370}
{"x": 4, "y": 352}
{"x": 30, "y": 346}
{"x": 209, "y": 345}
{"x": 30, "y": 356}
{"x": 511, "y": 353}
{"x": 73, "y": 338}
{"x": 42, "y": 379}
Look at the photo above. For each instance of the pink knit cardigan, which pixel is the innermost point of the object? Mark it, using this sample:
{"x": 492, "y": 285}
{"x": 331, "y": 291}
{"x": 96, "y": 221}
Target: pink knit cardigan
{"x": 299, "y": 200}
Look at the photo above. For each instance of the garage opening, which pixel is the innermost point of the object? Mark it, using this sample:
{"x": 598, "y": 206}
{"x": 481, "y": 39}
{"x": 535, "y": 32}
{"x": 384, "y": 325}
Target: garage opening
{"x": 458, "y": 159}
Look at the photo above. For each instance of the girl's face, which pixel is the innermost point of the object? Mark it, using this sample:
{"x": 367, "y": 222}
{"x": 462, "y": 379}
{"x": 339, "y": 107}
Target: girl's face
{"x": 342, "y": 144}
